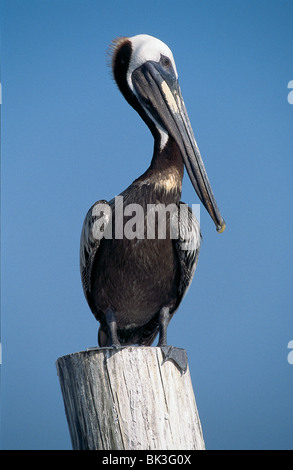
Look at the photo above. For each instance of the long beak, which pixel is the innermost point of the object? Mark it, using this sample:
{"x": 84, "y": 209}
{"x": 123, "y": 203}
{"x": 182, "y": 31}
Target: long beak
{"x": 162, "y": 99}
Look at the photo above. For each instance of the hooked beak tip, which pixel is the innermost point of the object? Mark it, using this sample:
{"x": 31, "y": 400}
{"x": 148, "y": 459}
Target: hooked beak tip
{"x": 221, "y": 228}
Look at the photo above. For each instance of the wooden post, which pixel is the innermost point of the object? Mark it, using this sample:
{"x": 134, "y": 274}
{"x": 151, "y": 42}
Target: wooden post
{"x": 128, "y": 399}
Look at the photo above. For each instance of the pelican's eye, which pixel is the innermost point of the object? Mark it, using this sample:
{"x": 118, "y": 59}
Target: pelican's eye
{"x": 165, "y": 61}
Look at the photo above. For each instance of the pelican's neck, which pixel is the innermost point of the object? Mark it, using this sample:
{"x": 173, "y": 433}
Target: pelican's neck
{"x": 168, "y": 158}
{"x": 165, "y": 172}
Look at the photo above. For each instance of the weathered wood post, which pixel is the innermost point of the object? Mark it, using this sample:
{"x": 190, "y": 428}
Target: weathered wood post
{"x": 128, "y": 399}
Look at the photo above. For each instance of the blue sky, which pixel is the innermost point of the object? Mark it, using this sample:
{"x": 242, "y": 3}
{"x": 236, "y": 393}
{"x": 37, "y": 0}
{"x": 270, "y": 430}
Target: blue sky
{"x": 69, "y": 139}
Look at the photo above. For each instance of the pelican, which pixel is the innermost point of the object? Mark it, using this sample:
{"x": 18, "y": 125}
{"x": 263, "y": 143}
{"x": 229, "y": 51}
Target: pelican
{"x": 134, "y": 283}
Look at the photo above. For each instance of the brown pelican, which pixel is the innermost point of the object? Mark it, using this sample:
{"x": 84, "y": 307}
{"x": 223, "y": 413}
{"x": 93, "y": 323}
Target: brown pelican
{"x": 134, "y": 282}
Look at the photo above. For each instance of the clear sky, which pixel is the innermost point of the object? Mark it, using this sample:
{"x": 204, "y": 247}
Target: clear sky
{"x": 69, "y": 138}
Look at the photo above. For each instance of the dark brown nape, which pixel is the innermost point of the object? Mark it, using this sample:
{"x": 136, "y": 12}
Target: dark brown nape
{"x": 121, "y": 57}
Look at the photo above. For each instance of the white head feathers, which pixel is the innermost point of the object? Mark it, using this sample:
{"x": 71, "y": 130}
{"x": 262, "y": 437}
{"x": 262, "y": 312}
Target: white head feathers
{"x": 144, "y": 48}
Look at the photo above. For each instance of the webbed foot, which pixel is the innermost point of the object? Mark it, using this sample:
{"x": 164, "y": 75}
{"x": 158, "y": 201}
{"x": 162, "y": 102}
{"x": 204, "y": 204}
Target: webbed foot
{"x": 177, "y": 355}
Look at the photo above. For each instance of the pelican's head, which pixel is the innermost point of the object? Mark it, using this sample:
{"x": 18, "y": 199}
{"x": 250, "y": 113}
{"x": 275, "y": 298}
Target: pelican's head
{"x": 145, "y": 72}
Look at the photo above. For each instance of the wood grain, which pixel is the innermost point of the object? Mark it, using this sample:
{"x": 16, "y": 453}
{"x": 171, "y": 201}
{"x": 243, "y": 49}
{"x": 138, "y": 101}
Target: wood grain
{"x": 128, "y": 399}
